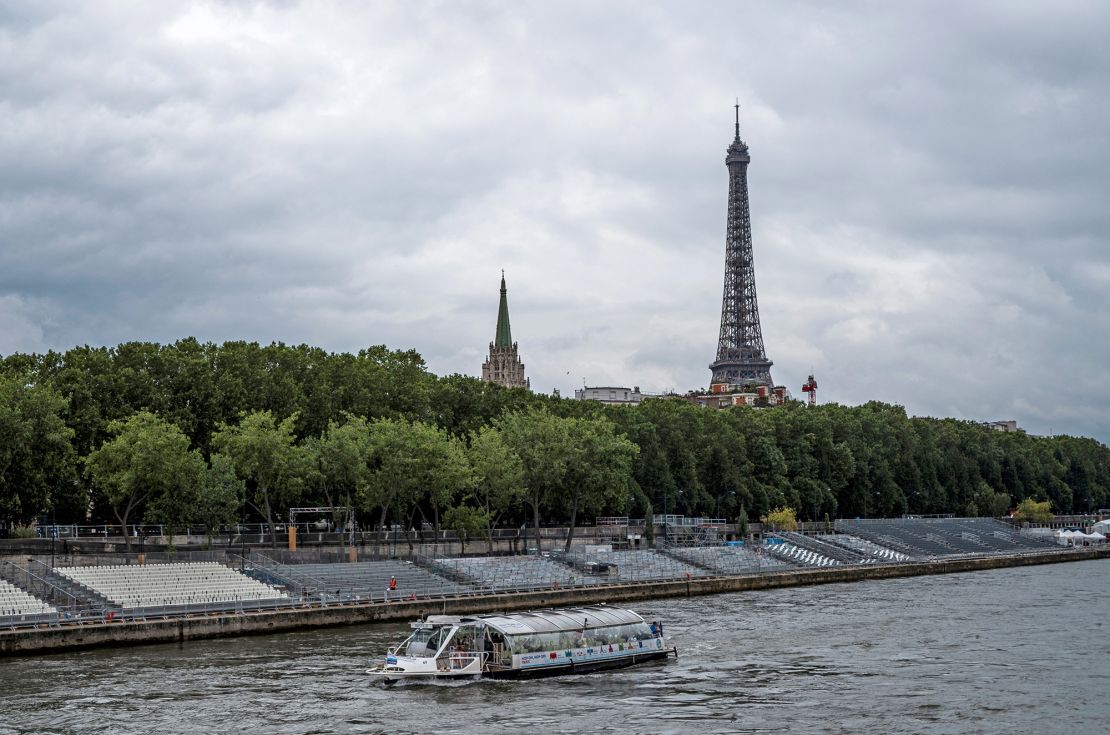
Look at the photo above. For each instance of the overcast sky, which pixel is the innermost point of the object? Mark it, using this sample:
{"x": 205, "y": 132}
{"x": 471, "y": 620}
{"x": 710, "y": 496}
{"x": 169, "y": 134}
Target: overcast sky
{"x": 930, "y": 188}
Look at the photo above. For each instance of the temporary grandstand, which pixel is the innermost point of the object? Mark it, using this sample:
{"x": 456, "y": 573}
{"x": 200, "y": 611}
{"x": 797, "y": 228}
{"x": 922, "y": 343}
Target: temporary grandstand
{"x": 919, "y": 538}
{"x": 15, "y": 602}
{"x": 33, "y": 592}
{"x": 866, "y": 550}
{"x": 509, "y": 573}
{"x": 635, "y": 565}
{"x": 800, "y": 555}
{"x": 368, "y": 580}
{"x": 730, "y": 559}
{"x": 161, "y": 585}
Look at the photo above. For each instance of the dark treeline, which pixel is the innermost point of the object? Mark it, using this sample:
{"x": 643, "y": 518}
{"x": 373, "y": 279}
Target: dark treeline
{"x": 193, "y": 432}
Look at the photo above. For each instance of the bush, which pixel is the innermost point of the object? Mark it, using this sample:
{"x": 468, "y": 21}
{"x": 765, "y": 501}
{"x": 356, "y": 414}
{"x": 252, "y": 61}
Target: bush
{"x": 23, "y": 532}
{"x": 781, "y": 519}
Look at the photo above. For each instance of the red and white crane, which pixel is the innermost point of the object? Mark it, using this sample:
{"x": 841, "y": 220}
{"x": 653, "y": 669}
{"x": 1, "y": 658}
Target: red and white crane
{"x": 810, "y": 387}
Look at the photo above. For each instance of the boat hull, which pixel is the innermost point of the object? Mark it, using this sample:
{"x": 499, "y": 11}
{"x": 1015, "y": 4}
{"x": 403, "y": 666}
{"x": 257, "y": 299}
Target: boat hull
{"x": 583, "y": 667}
{"x": 534, "y": 672}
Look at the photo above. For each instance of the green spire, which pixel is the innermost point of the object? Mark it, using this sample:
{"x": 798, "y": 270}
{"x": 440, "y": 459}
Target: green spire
{"x": 504, "y": 336}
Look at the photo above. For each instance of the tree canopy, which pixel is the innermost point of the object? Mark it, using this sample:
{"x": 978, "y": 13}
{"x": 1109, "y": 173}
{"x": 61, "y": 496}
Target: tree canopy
{"x": 265, "y": 457}
{"x": 299, "y": 425}
{"x": 147, "y": 466}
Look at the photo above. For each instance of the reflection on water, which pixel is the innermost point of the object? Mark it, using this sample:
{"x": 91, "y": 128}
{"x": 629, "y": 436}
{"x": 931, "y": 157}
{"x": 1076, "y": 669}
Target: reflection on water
{"x": 986, "y": 652}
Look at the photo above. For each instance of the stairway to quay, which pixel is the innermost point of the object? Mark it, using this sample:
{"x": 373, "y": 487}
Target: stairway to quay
{"x": 91, "y": 600}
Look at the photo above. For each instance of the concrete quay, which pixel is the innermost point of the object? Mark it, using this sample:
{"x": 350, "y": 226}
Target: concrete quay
{"x": 77, "y": 635}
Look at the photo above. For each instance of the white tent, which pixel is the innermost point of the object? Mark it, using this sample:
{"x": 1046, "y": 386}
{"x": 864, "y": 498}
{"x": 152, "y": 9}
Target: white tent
{"x": 1102, "y": 527}
{"x": 1078, "y": 538}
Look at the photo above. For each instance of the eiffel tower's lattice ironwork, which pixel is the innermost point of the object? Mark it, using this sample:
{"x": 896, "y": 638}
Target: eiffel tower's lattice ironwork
{"x": 741, "y": 358}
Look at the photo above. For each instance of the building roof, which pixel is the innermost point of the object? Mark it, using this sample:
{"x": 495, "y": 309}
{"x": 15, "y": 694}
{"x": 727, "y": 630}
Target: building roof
{"x": 610, "y": 387}
{"x": 504, "y": 336}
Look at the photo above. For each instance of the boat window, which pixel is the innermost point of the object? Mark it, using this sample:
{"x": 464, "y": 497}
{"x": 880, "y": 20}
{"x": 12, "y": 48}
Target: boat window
{"x": 424, "y": 642}
{"x": 590, "y": 637}
{"x": 536, "y": 642}
{"x": 603, "y": 636}
{"x": 463, "y": 640}
{"x": 438, "y": 639}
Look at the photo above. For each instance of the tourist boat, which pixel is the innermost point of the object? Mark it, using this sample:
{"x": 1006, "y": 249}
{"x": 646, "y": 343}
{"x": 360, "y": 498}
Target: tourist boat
{"x": 522, "y": 645}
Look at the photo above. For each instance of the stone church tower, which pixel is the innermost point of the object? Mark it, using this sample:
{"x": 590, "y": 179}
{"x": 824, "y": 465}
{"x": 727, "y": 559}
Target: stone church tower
{"x": 503, "y": 366}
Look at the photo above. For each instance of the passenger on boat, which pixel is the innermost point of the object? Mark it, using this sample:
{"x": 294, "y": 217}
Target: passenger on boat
{"x": 459, "y": 655}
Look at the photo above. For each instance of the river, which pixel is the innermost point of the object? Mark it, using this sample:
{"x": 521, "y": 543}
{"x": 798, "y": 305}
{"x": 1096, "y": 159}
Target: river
{"x": 1018, "y": 650}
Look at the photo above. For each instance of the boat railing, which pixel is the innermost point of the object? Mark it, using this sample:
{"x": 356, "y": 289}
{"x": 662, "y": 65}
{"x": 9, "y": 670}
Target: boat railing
{"x": 462, "y": 659}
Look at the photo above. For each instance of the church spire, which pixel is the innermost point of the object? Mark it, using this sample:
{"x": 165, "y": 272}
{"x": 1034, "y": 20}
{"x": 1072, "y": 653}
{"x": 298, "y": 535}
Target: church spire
{"x": 504, "y": 335}
{"x": 503, "y": 366}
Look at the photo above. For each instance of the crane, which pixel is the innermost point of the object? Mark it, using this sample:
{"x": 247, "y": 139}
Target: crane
{"x": 810, "y": 387}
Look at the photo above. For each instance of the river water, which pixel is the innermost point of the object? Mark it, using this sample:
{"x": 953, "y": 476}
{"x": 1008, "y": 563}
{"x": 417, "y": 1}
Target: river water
{"x": 1006, "y": 651}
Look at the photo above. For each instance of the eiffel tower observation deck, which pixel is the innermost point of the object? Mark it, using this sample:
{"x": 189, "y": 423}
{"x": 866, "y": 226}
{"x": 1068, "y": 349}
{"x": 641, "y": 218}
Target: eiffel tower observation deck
{"x": 741, "y": 358}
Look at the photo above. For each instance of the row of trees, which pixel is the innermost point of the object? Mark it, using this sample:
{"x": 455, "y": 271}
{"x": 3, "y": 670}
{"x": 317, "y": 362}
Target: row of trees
{"x": 406, "y": 470}
{"x": 238, "y": 430}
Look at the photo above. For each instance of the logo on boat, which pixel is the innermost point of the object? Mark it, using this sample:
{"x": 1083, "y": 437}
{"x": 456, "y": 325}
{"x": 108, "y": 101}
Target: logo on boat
{"x": 391, "y": 659}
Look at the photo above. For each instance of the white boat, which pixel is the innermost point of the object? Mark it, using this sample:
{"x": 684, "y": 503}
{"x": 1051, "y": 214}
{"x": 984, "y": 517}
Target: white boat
{"x": 538, "y": 643}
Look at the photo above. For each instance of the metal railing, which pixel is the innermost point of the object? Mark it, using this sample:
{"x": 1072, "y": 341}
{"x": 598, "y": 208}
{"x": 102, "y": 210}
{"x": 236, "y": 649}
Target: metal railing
{"x": 271, "y": 569}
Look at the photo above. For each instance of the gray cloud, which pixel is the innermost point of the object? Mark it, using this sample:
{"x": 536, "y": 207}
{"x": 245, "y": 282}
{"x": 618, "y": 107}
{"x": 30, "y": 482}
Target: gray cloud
{"x": 928, "y": 188}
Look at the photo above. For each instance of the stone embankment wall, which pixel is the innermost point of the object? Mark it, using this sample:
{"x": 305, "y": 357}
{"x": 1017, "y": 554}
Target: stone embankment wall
{"x": 77, "y": 636}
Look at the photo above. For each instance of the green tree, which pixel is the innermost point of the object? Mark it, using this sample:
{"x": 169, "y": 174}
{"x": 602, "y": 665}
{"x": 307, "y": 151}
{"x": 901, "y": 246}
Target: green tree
{"x": 411, "y": 463}
{"x": 1033, "y": 511}
{"x": 466, "y": 521}
{"x": 265, "y": 456}
{"x": 543, "y": 443}
{"x": 146, "y": 465}
{"x": 780, "y": 519}
{"x": 571, "y": 464}
{"x": 599, "y": 470}
{"x": 37, "y": 462}
{"x": 341, "y": 457}
{"x": 220, "y": 497}
{"x": 498, "y": 477}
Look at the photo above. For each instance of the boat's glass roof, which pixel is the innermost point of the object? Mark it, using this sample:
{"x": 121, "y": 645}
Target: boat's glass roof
{"x": 550, "y": 621}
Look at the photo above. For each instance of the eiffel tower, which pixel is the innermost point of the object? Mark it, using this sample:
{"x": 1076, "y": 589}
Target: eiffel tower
{"x": 741, "y": 359}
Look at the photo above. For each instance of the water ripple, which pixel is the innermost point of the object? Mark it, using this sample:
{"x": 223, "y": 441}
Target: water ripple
{"x": 986, "y": 652}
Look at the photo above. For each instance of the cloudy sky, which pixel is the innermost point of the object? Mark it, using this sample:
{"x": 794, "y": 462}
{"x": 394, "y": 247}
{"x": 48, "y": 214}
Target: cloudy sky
{"x": 930, "y": 188}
